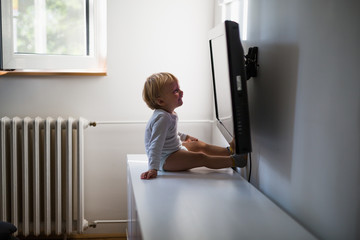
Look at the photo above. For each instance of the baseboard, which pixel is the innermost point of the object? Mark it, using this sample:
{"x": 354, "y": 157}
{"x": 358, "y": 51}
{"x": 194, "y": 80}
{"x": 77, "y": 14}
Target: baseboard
{"x": 94, "y": 236}
{"x": 99, "y": 236}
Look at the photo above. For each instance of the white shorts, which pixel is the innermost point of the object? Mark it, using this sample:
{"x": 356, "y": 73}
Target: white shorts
{"x": 166, "y": 154}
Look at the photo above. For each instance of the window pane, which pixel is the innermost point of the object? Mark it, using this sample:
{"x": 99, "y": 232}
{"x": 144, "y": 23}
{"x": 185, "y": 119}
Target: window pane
{"x": 50, "y": 27}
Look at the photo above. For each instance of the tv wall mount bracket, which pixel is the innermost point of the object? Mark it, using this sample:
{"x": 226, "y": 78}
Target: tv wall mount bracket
{"x": 251, "y": 62}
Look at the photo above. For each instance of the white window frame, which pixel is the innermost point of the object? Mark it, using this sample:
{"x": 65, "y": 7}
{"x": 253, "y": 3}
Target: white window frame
{"x": 95, "y": 62}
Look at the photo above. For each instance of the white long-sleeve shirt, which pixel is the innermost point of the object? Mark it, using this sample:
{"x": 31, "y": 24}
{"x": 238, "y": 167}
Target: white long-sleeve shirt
{"x": 162, "y": 137}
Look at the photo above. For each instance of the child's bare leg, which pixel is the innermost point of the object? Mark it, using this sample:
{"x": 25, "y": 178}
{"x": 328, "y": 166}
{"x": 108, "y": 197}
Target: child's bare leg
{"x": 199, "y": 146}
{"x": 184, "y": 160}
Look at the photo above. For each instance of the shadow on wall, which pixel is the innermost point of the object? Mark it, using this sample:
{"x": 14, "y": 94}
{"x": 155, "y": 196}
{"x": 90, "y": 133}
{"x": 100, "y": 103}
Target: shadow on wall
{"x": 272, "y": 97}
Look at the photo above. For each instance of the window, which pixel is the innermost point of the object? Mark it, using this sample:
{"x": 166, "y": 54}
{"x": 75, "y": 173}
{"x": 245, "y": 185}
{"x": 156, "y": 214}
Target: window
{"x": 53, "y": 35}
{"x": 236, "y": 10}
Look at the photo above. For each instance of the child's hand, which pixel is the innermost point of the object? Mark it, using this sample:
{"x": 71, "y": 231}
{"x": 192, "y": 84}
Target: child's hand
{"x": 152, "y": 173}
{"x": 190, "y": 139}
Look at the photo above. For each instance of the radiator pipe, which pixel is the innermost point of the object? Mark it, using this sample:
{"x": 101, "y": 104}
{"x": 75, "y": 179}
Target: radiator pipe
{"x": 94, "y": 224}
{"x": 94, "y": 124}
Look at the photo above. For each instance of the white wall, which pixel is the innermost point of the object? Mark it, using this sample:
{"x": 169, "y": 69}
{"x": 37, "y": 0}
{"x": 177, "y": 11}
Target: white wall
{"x": 143, "y": 37}
{"x": 305, "y": 111}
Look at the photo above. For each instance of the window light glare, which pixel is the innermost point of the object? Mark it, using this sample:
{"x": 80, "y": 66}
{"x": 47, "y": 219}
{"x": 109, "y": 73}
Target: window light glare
{"x": 245, "y": 19}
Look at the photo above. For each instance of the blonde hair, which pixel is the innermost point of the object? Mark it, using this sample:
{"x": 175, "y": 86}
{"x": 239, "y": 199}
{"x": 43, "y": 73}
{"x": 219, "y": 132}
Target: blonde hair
{"x": 153, "y": 86}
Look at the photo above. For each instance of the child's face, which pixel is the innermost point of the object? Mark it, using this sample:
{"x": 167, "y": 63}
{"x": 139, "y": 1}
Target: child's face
{"x": 171, "y": 96}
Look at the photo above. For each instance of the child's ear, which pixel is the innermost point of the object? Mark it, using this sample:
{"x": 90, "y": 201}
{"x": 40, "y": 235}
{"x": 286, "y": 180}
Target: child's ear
{"x": 159, "y": 101}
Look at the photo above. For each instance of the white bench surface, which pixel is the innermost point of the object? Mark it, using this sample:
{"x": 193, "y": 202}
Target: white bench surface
{"x": 206, "y": 204}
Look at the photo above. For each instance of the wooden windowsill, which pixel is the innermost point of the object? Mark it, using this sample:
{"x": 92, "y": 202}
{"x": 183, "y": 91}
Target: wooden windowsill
{"x": 50, "y": 73}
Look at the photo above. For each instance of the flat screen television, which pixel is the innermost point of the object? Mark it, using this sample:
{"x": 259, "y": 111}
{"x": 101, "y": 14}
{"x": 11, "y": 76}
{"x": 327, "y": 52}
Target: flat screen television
{"x": 230, "y": 85}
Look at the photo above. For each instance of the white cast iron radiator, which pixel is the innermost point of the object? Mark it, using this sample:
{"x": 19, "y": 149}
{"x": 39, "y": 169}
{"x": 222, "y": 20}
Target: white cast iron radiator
{"x": 42, "y": 175}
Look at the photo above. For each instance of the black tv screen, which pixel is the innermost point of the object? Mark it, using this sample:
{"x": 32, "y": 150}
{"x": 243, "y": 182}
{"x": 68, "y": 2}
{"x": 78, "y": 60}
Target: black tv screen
{"x": 230, "y": 85}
